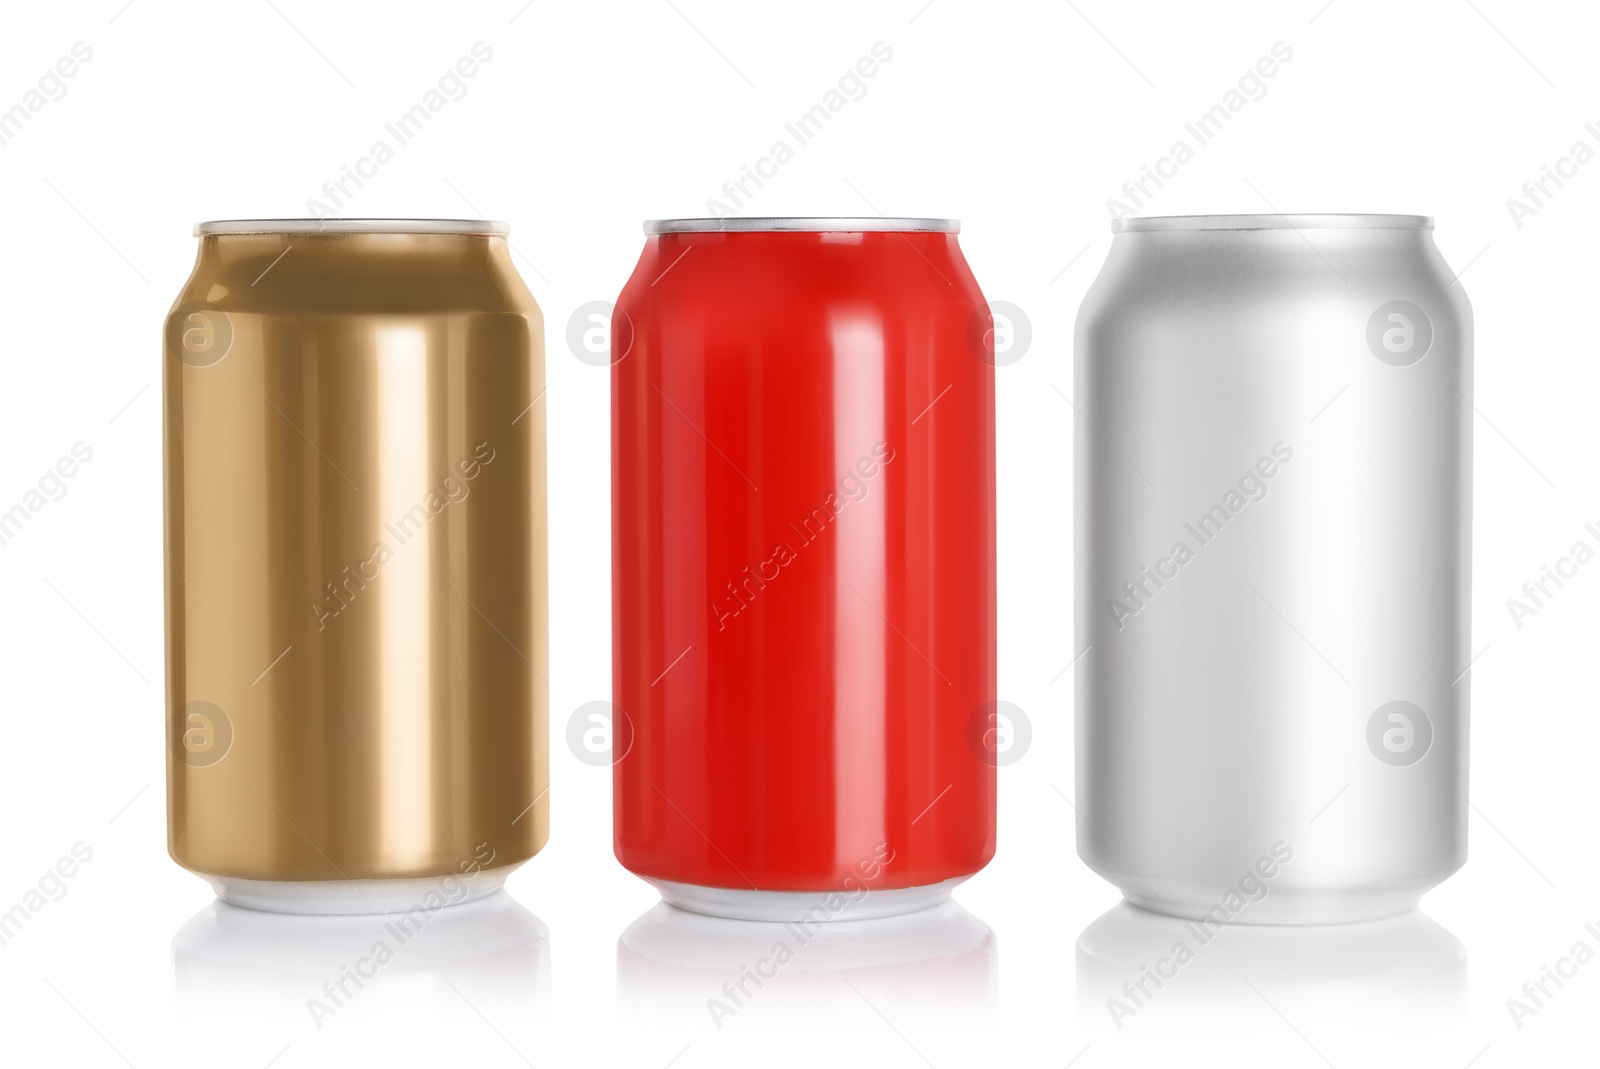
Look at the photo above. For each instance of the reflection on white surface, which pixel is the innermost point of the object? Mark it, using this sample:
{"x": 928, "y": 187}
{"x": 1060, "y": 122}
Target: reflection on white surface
{"x": 931, "y": 969}
{"x": 1142, "y": 970}
{"x": 492, "y": 952}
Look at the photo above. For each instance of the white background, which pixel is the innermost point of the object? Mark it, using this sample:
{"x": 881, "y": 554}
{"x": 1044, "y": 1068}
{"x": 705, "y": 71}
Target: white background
{"x": 1021, "y": 119}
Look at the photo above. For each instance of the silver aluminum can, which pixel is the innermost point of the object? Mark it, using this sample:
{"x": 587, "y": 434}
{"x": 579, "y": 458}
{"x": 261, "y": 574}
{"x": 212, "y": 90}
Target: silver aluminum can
{"x": 1273, "y": 523}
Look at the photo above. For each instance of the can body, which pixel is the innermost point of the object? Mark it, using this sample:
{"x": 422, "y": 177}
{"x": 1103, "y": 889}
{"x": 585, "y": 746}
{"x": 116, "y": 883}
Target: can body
{"x": 355, "y": 543}
{"x": 803, "y": 510}
{"x": 1273, "y": 515}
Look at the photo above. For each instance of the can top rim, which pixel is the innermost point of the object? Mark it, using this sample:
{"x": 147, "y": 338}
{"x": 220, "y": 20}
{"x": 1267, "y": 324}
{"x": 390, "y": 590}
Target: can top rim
{"x": 806, "y": 224}
{"x": 465, "y": 227}
{"x": 1332, "y": 221}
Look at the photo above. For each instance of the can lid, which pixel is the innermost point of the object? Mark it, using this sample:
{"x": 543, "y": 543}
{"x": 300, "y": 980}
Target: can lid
{"x": 352, "y": 226}
{"x": 809, "y": 224}
{"x": 1335, "y": 221}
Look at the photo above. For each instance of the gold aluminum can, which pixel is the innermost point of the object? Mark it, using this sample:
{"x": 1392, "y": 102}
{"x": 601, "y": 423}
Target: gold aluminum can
{"x": 355, "y": 564}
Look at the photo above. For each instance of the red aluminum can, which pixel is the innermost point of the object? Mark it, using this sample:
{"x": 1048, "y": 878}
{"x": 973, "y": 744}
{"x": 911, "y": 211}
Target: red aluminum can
{"x": 803, "y": 566}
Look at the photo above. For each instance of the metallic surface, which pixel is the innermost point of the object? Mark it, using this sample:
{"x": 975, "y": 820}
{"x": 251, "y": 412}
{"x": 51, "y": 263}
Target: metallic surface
{"x": 804, "y": 562}
{"x": 351, "y": 226}
{"x": 780, "y": 907}
{"x": 336, "y": 897}
{"x": 1147, "y": 223}
{"x": 1273, "y": 523}
{"x": 355, "y": 544}
{"x": 807, "y": 224}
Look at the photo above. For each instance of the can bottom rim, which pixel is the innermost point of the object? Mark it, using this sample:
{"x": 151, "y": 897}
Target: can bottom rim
{"x": 801, "y": 906}
{"x": 324, "y": 898}
{"x": 1284, "y": 906}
